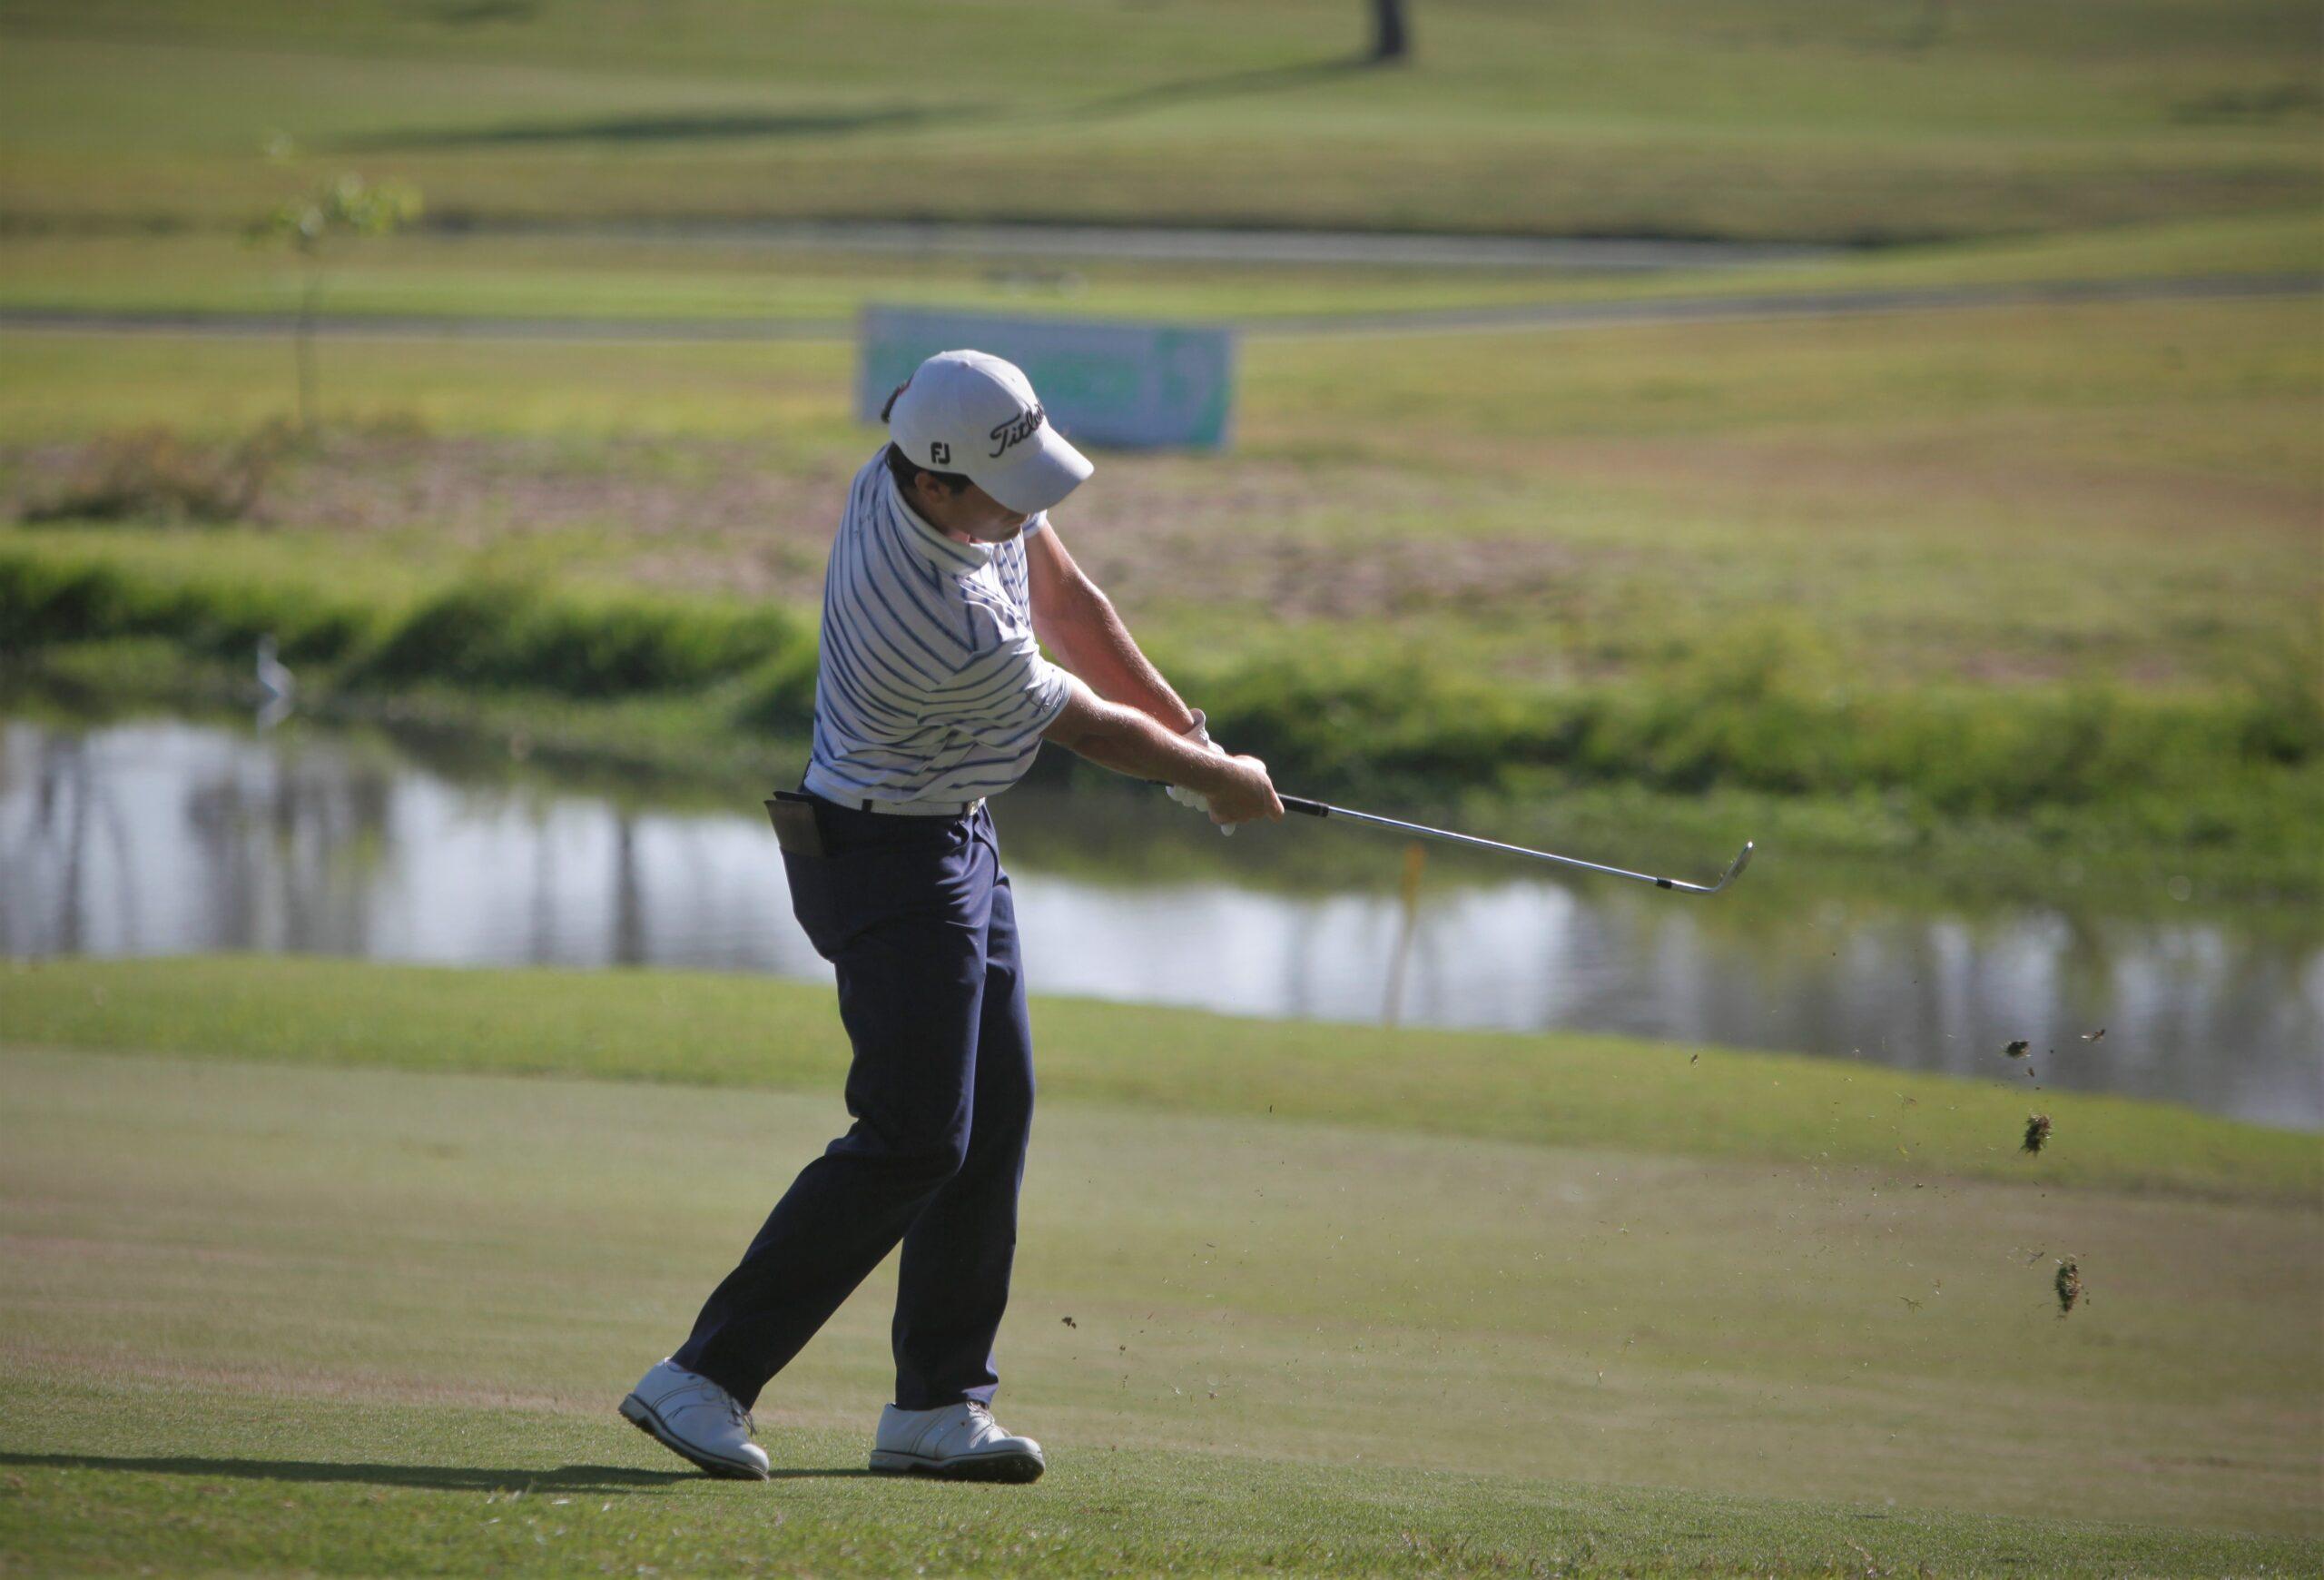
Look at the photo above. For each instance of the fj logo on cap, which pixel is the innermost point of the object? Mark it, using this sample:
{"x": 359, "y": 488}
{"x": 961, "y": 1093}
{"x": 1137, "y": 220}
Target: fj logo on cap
{"x": 1017, "y": 428}
{"x": 942, "y": 453}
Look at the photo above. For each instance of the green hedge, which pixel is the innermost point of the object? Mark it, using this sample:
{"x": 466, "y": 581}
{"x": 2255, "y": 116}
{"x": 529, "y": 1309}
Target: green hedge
{"x": 45, "y": 600}
{"x": 490, "y": 635}
{"x": 1762, "y": 709}
{"x": 1957, "y": 750}
{"x": 497, "y": 635}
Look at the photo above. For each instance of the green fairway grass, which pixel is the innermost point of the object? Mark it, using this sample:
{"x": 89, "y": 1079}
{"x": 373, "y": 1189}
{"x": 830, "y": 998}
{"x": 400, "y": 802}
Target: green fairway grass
{"x": 1563, "y": 1089}
{"x": 1779, "y": 118}
{"x": 283, "y": 1315}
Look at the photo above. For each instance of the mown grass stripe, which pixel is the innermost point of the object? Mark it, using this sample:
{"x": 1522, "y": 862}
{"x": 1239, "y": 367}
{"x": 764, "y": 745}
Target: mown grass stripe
{"x": 1560, "y": 1088}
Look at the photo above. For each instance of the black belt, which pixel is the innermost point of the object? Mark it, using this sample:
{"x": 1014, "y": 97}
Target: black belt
{"x": 798, "y": 818}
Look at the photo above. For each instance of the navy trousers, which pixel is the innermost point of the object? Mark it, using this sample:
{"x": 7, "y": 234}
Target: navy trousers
{"x": 916, "y": 914}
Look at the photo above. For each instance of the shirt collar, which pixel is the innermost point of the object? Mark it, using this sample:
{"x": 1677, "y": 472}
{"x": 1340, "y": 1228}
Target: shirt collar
{"x": 949, "y": 553}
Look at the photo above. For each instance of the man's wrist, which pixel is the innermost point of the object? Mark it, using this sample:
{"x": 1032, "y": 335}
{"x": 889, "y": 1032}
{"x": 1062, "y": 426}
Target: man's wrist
{"x": 1217, "y": 775}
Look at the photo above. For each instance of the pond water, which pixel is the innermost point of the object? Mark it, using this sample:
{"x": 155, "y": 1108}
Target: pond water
{"x": 169, "y": 837}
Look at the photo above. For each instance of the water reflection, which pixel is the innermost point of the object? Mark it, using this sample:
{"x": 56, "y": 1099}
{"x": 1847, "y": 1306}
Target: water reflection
{"x": 158, "y": 838}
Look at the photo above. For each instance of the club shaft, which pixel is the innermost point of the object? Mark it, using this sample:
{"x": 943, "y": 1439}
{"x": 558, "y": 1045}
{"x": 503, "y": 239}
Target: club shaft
{"x": 1300, "y": 804}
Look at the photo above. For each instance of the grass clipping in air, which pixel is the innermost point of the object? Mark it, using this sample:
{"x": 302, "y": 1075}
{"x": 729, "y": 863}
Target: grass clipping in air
{"x": 2069, "y": 1286}
{"x": 2037, "y": 1132}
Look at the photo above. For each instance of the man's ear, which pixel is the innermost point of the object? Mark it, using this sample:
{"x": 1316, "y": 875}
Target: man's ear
{"x": 926, "y": 491}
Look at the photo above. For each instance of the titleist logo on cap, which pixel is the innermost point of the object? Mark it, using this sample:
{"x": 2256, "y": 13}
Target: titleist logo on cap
{"x": 1017, "y": 428}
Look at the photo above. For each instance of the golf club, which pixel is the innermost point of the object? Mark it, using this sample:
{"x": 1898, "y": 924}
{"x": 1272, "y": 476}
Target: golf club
{"x": 1301, "y": 804}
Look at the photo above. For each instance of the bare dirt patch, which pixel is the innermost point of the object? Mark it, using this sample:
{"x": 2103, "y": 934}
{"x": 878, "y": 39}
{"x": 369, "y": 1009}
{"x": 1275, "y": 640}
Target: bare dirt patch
{"x": 1572, "y": 555}
{"x": 1302, "y": 541}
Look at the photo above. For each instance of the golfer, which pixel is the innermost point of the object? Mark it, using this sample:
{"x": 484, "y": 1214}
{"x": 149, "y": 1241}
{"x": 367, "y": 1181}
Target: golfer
{"x": 945, "y": 580}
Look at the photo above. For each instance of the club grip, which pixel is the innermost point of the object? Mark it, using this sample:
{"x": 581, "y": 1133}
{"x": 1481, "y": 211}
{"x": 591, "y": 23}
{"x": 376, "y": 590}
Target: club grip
{"x": 1301, "y": 804}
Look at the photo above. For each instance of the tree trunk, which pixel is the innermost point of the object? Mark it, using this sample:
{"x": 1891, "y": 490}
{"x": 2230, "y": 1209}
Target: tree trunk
{"x": 1389, "y": 39}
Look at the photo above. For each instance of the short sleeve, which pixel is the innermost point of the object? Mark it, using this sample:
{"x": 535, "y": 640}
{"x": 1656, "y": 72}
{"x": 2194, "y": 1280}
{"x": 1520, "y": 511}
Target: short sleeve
{"x": 1004, "y": 695}
{"x": 1040, "y": 519}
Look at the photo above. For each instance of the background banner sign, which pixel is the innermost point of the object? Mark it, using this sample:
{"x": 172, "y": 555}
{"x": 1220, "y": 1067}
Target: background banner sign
{"x": 1131, "y": 386}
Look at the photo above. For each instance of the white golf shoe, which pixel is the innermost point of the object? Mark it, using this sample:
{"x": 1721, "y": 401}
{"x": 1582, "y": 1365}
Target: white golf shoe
{"x": 695, "y": 1420}
{"x": 962, "y": 1442}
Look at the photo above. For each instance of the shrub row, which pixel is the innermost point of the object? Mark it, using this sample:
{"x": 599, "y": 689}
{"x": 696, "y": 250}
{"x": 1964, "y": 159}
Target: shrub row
{"x": 496, "y": 635}
{"x": 45, "y": 600}
{"x": 1403, "y": 729}
{"x": 1755, "y": 714}
{"x": 486, "y": 635}
{"x": 151, "y": 474}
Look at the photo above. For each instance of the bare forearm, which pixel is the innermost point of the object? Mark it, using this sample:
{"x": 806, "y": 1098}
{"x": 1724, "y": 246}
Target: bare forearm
{"x": 1091, "y": 641}
{"x": 1131, "y": 741}
{"x": 1128, "y": 741}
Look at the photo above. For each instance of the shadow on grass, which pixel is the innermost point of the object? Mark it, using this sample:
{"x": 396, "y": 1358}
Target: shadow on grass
{"x": 712, "y": 125}
{"x": 593, "y": 1478}
{"x": 675, "y": 128}
{"x": 1222, "y": 85}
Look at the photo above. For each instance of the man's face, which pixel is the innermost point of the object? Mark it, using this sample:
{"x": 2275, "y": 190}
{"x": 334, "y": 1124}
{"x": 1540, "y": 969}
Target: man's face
{"x": 971, "y": 513}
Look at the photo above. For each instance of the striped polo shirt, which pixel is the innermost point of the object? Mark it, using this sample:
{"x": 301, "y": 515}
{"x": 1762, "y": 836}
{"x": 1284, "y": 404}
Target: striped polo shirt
{"x": 931, "y": 686}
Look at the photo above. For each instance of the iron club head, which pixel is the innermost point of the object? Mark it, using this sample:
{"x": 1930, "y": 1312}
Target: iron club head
{"x": 1734, "y": 869}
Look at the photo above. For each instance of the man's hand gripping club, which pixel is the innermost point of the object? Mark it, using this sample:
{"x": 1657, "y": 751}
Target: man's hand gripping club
{"x": 1236, "y": 789}
{"x": 1200, "y": 735}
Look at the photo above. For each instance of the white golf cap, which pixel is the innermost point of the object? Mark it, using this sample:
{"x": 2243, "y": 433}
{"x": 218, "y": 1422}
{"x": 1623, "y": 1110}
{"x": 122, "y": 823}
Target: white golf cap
{"x": 964, "y": 411}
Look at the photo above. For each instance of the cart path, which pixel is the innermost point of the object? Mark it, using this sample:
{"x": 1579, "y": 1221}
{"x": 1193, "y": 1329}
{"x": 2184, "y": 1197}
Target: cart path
{"x": 1712, "y": 308}
{"x": 1046, "y": 243}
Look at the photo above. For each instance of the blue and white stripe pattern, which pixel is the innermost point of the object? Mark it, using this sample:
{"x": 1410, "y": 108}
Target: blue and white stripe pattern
{"x": 932, "y": 688}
